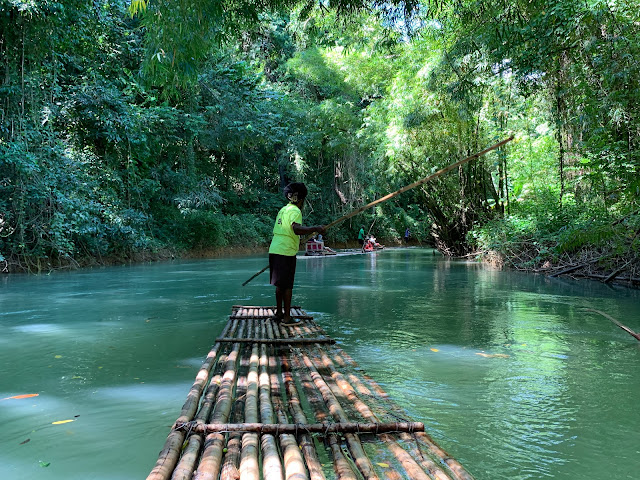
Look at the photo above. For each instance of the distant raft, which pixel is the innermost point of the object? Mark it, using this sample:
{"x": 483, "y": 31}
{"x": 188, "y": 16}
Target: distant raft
{"x": 278, "y": 402}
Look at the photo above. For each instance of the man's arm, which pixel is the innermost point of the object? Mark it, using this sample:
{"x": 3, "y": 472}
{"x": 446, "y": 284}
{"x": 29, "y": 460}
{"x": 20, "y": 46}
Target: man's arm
{"x": 302, "y": 230}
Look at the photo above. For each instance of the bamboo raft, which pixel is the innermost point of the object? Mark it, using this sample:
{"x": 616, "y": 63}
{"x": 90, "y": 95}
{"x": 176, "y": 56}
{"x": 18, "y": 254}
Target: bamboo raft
{"x": 286, "y": 403}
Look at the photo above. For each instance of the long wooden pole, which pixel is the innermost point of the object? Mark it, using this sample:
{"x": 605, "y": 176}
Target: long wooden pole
{"x": 406, "y": 188}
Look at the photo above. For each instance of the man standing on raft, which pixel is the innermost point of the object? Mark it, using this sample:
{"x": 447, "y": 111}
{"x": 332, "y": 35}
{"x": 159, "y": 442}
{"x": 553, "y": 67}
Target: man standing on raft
{"x": 284, "y": 247}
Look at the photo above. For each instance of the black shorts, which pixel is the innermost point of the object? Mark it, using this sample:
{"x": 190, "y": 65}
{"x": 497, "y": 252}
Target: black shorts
{"x": 361, "y": 241}
{"x": 283, "y": 270}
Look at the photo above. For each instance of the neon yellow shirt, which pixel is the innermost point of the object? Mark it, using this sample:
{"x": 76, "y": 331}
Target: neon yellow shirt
{"x": 285, "y": 241}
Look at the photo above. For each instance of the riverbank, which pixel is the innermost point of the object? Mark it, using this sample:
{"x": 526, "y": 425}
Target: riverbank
{"x": 36, "y": 266}
{"x": 592, "y": 264}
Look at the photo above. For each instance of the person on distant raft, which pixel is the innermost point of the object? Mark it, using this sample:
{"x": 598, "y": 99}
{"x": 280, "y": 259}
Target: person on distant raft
{"x": 285, "y": 245}
{"x": 361, "y": 235}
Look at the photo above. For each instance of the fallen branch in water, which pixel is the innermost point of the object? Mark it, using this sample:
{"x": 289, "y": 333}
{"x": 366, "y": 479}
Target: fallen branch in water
{"x": 623, "y": 327}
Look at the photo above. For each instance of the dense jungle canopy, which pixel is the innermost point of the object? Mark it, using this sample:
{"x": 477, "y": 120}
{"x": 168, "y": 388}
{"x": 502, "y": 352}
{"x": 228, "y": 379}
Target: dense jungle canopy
{"x": 130, "y": 128}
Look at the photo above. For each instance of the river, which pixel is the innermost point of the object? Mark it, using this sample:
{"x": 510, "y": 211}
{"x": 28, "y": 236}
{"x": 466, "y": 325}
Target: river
{"x": 510, "y": 372}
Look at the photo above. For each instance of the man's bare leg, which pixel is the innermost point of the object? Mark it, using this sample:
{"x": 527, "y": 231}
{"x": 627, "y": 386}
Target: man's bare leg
{"x": 279, "y": 298}
{"x": 286, "y": 296}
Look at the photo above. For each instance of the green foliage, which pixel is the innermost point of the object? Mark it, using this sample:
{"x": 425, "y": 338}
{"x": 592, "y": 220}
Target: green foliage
{"x": 177, "y": 127}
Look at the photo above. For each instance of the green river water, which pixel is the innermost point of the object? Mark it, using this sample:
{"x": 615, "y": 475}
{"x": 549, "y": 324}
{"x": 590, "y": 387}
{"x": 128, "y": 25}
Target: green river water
{"x": 508, "y": 371}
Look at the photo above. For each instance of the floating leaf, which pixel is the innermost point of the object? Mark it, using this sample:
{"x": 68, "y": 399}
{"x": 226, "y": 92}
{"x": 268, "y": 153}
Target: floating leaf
{"x": 60, "y": 422}
{"x": 44, "y": 464}
{"x": 385, "y": 465}
{"x": 25, "y": 441}
{"x": 18, "y": 397}
{"x": 435, "y": 350}
{"x": 58, "y": 356}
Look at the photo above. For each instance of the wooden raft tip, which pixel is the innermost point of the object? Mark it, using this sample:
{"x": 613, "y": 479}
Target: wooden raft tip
{"x": 306, "y": 371}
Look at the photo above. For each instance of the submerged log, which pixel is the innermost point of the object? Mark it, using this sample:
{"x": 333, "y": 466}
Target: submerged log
{"x": 623, "y": 327}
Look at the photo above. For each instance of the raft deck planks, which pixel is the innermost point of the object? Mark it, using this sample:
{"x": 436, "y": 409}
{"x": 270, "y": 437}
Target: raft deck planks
{"x": 282, "y": 400}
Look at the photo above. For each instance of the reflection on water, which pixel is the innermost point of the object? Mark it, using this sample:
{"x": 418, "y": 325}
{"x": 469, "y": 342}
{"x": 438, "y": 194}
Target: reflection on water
{"x": 508, "y": 371}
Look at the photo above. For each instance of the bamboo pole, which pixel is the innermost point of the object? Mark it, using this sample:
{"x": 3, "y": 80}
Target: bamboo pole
{"x": 341, "y": 465}
{"x": 249, "y": 467}
{"x": 427, "y": 463}
{"x": 231, "y": 460}
{"x": 291, "y": 451}
{"x": 168, "y": 457}
{"x": 338, "y": 387}
{"x": 404, "y": 189}
{"x": 189, "y": 458}
{"x": 271, "y": 464}
{"x": 355, "y": 447}
{"x": 343, "y": 468}
{"x": 279, "y": 341}
{"x": 306, "y": 443}
{"x": 211, "y": 458}
{"x": 297, "y": 428}
{"x": 456, "y": 469}
{"x": 413, "y": 469}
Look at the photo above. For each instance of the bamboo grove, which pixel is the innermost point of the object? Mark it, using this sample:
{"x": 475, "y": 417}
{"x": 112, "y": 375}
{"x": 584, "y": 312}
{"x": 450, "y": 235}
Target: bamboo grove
{"x": 143, "y": 129}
